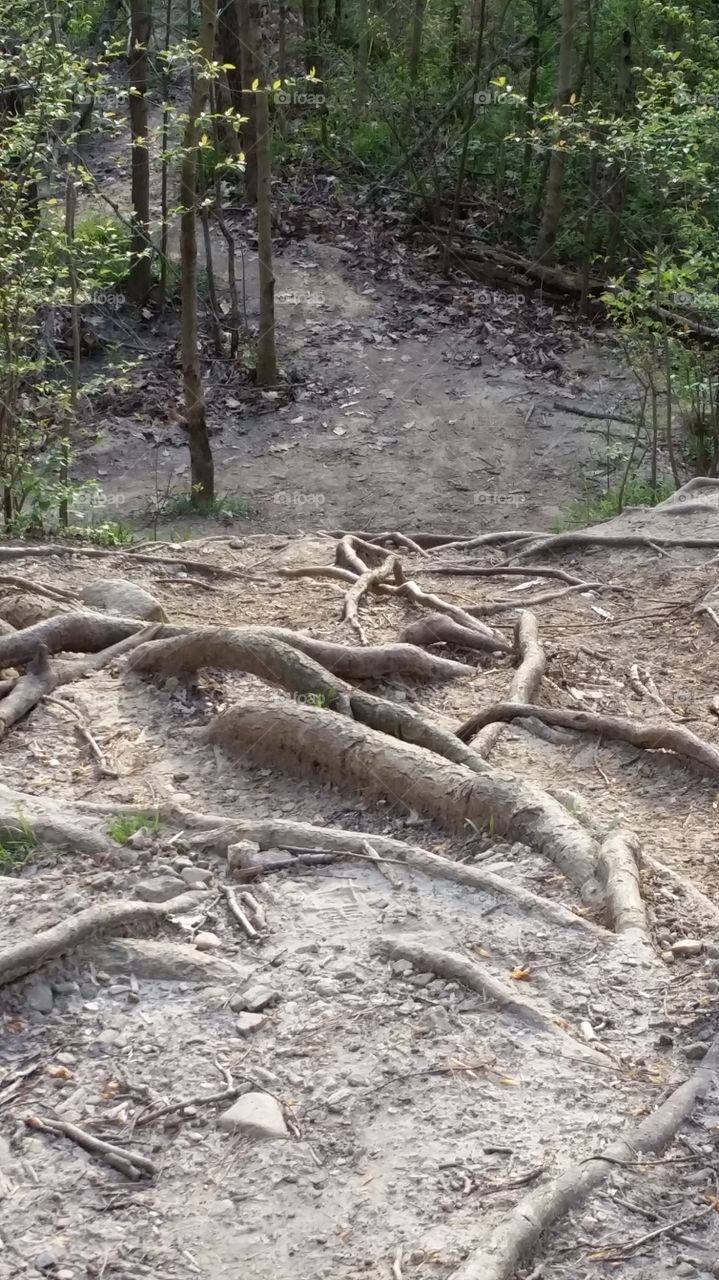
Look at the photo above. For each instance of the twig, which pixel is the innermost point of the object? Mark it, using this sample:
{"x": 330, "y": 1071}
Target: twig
{"x": 259, "y": 918}
{"x": 103, "y": 767}
{"x": 199, "y": 1099}
{"x": 615, "y": 1253}
{"x": 131, "y": 1163}
{"x": 238, "y": 913}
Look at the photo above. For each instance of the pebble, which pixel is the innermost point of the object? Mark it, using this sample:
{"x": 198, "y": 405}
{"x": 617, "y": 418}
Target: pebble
{"x": 400, "y": 968}
{"x": 259, "y": 1115}
{"x": 159, "y": 888}
{"x": 327, "y": 988}
{"x": 695, "y": 1051}
{"x": 422, "y": 979}
{"x": 206, "y": 941}
{"x": 45, "y": 1259}
{"x": 248, "y": 1022}
{"x": 684, "y": 1269}
{"x": 195, "y": 875}
{"x": 687, "y": 947}
{"x": 242, "y": 853}
{"x": 40, "y": 997}
{"x": 258, "y": 997}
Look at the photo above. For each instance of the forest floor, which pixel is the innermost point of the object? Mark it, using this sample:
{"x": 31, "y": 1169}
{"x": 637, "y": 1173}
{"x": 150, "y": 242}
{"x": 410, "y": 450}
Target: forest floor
{"x": 416, "y": 1112}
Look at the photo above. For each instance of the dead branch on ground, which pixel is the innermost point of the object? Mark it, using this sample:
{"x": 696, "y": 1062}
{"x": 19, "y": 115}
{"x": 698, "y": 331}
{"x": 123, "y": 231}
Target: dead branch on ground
{"x": 652, "y": 736}
{"x": 131, "y": 1163}
{"x": 515, "y": 1240}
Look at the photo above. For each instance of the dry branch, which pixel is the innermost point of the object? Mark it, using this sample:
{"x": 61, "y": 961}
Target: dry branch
{"x": 455, "y": 968}
{"x": 307, "y": 738}
{"x": 515, "y": 1240}
{"x": 526, "y": 680}
{"x": 131, "y": 1163}
{"x": 102, "y": 918}
{"x": 439, "y": 629}
{"x": 369, "y": 579}
{"x": 37, "y": 588}
{"x": 653, "y": 736}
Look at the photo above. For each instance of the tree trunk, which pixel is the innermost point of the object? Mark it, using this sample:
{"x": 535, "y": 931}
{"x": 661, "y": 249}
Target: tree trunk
{"x": 469, "y": 121}
{"x": 309, "y": 32}
{"x": 546, "y": 240}
{"x": 415, "y": 47}
{"x": 248, "y": 18}
{"x": 362, "y": 52}
{"x": 266, "y": 353}
{"x": 164, "y": 157}
{"x": 201, "y": 465}
{"x": 140, "y": 263}
{"x": 616, "y": 191}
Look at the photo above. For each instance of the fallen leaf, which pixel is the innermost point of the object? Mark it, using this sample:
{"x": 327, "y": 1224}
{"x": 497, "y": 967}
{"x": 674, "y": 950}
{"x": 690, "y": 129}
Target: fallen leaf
{"x": 519, "y": 974}
{"x": 59, "y": 1073}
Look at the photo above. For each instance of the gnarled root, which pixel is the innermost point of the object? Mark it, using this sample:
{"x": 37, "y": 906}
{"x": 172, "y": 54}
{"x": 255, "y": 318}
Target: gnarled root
{"x": 526, "y": 680}
{"x": 307, "y": 738}
{"x": 515, "y": 1240}
{"x": 439, "y": 629}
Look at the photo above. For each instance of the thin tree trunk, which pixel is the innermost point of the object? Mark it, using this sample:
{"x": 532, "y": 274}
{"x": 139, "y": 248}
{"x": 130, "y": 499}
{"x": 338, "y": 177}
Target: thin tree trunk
{"x": 546, "y": 241}
{"x": 215, "y": 328}
{"x": 415, "y": 47}
{"x": 165, "y": 137}
{"x": 70, "y": 206}
{"x": 337, "y": 18}
{"x": 362, "y": 52}
{"x": 309, "y": 32}
{"x": 529, "y": 111}
{"x": 455, "y": 36}
{"x": 248, "y": 17}
{"x": 140, "y": 264}
{"x": 469, "y": 120}
{"x": 201, "y": 465}
{"x": 616, "y": 192}
{"x": 266, "y": 353}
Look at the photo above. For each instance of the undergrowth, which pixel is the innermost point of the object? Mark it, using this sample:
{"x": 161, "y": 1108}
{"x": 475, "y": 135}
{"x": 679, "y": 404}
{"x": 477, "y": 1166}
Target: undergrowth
{"x": 15, "y": 851}
{"x": 124, "y": 826}
{"x": 594, "y": 507}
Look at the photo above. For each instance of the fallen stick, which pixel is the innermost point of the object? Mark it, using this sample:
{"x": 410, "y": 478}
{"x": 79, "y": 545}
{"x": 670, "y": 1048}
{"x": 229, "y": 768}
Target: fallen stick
{"x": 455, "y": 968}
{"x": 311, "y": 858}
{"x": 197, "y": 1100}
{"x": 305, "y": 738}
{"x": 82, "y": 730}
{"x": 565, "y": 406}
{"x": 439, "y": 629}
{"x": 651, "y": 736}
{"x": 38, "y": 588}
{"x": 514, "y": 1242}
{"x": 23, "y": 957}
{"x": 238, "y": 913}
{"x": 131, "y": 1163}
{"x": 526, "y": 681}
{"x": 619, "y": 1252}
{"x": 369, "y": 579}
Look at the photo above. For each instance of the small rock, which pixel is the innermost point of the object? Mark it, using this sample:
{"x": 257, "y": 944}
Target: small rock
{"x": 242, "y": 853}
{"x": 160, "y": 888}
{"x": 400, "y": 968}
{"x": 687, "y": 947}
{"x": 141, "y": 839}
{"x": 684, "y": 1269}
{"x": 40, "y": 997}
{"x": 248, "y": 1022}
{"x": 422, "y": 979}
{"x": 258, "y": 997}
{"x": 327, "y": 987}
{"x": 116, "y": 595}
{"x": 695, "y": 1051}
{"x": 259, "y": 1115}
{"x": 45, "y": 1259}
{"x": 108, "y": 1036}
{"x": 664, "y": 1040}
{"x": 195, "y": 876}
{"x": 207, "y": 941}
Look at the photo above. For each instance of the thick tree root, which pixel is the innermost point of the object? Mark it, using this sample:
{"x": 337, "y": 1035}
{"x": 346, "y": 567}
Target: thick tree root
{"x": 228, "y": 647}
{"x": 515, "y": 1241}
{"x": 38, "y": 589}
{"x": 24, "y": 957}
{"x": 560, "y": 541}
{"x": 73, "y": 633}
{"x": 439, "y": 629}
{"x": 619, "y": 871}
{"x": 306, "y": 738}
{"x": 508, "y": 571}
{"x": 427, "y": 541}
{"x": 526, "y": 681}
{"x": 455, "y": 968}
{"x": 638, "y": 733}
{"x": 50, "y": 825}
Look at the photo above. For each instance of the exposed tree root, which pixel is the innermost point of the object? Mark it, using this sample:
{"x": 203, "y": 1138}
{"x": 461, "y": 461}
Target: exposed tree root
{"x": 72, "y": 633}
{"x": 30, "y": 552}
{"x": 439, "y": 629}
{"x": 619, "y": 871}
{"x": 698, "y": 902}
{"x": 37, "y": 588}
{"x": 227, "y": 647}
{"x": 284, "y": 833}
{"x": 515, "y": 1240}
{"x": 638, "y": 733}
{"x": 369, "y": 579}
{"x": 455, "y": 968}
{"x": 508, "y": 571}
{"x": 577, "y": 538}
{"x": 23, "y": 957}
{"x": 427, "y": 541}
{"x": 318, "y": 571}
{"x": 51, "y": 825}
{"x": 525, "y": 682}
{"x": 306, "y": 738}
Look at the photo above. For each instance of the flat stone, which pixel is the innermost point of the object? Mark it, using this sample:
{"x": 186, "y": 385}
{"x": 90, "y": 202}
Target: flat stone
{"x": 422, "y": 979}
{"x": 695, "y": 1051}
{"x": 40, "y": 997}
{"x": 45, "y": 1259}
{"x": 400, "y": 968}
{"x": 259, "y": 1115}
{"x": 117, "y": 595}
{"x": 248, "y": 1022}
{"x": 195, "y": 876}
{"x": 257, "y": 997}
{"x": 327, "y": 987}
{"x": 206, "y": 941}
{"x": 160, "y": 888}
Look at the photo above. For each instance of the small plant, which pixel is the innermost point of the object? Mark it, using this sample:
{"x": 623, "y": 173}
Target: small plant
{"x": 227, "y": 507}
{"x": 109, "y": 534}
{"x": 126, "y": 825}
{"x": 595, "y": 507}
{"x": 15, "y": 850}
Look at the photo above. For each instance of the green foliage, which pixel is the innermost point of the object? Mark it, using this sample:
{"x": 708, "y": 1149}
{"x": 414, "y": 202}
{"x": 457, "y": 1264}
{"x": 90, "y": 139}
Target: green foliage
{"x": 102, "y": 251}
{"x": 17, "y": 848}
{"x": 594, "y": 507}
{"x": 123, "y": 826}
{"x": 227, "y": 507}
